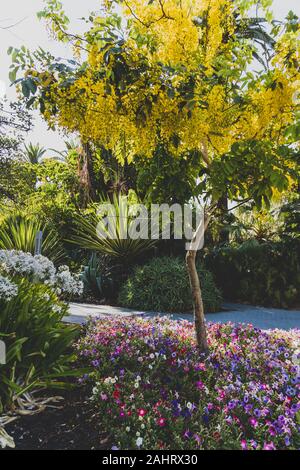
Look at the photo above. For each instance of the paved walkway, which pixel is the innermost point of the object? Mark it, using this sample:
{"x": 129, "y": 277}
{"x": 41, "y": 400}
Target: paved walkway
{"x": 264, "y": 318}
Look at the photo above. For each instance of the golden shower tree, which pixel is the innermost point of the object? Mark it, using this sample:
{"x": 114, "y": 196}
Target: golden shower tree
{"x": 181, "y": 73}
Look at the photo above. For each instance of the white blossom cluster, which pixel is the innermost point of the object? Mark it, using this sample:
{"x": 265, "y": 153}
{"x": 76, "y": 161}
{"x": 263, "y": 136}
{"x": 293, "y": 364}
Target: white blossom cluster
{"x": 68, "y": 283}
{"x": 40, "y": 269}
{"x": 25, "y": 264}
{"x": 8, "y": 289}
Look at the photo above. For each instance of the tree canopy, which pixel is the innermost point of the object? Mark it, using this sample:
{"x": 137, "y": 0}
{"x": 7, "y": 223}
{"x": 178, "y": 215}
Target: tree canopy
{"x": 178, "y": 72}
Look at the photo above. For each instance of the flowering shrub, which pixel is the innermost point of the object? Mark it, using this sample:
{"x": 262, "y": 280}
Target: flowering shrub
{"x": 8, "y": 289}
{"x": 153, "y": 390}
{"x": 40, "y": 269}
{"x": 31, "y": 326}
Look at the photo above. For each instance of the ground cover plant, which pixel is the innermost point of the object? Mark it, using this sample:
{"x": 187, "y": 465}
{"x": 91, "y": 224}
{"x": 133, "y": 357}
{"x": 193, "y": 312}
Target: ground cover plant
{"x": 152, "y": 389}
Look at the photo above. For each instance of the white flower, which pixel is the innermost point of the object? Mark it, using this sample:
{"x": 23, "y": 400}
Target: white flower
{"x": 8, "y": 289}
{"x": 139, "y": 441}
{"x": 40, "y": 269}
{"x": 56, "y": 309}
{"x": 108, "y": 380}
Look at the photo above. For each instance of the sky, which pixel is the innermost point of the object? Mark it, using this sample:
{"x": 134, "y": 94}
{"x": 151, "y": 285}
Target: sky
{"x": 31, "y": 32}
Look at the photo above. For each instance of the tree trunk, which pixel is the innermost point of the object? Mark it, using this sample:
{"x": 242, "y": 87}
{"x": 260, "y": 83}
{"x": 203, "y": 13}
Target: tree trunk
{"x": 85, "y": 171}
{"x": 199, "y": 319}
{"x": 223, "y": 206}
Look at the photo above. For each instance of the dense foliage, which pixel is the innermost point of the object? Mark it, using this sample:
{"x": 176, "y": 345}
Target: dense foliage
{"x": 107, "y": 229}
{"x": 153, "y": 391}
{"x": 15, "y": 120}
{"x": 162, "y": 285}
{"x": 18, "y": 232}
{"x": 98, "y": 278}
{"x": 36, "y": 342}
{"x": 265, "y": 273}
{"x": 31, "y": 326}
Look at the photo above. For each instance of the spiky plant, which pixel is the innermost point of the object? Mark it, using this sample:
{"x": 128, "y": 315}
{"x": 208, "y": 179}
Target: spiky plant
{"x": 93, "y": 234}
{"x": 18, "y": 232}
{"x": 34, "y": 153}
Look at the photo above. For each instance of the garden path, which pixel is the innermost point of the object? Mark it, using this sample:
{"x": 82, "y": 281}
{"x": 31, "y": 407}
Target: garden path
{"x": 263, "y": 318}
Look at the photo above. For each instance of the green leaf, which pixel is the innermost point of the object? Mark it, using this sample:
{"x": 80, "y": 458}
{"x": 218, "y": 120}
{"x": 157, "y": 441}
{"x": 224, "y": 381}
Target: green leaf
{"x": 12, "y": 75}
{"x": 30, "y": 102}
{"x": 31, "y": 85}
{"x": 25, "y": 89}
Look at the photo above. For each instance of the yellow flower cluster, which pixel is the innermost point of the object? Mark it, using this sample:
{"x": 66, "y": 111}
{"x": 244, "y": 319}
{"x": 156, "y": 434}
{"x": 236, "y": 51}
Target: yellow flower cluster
{"x": 187, "y": 35}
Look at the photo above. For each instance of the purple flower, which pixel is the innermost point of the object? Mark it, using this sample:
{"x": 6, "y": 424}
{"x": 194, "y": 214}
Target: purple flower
{"x": 96, "y": 363}
{"x": 232, "y": 404}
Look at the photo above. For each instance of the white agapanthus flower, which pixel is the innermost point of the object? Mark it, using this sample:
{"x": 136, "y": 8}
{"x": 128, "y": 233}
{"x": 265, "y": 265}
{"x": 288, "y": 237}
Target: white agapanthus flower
{"x": 67, "y": 282}
{"x": 25, "y": 264}
{"x": 8, "y": 289}
{"x": 40, "y": 269}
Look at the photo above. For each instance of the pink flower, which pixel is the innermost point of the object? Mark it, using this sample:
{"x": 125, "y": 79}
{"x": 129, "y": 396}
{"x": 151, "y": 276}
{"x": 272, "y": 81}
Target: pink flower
{"x": 142, "y": 412}
{"x": 253, "y": 422}
{"x": 244, "y": 444}
{"x": 161, "y": 422}
{"x": 269, "y": 446}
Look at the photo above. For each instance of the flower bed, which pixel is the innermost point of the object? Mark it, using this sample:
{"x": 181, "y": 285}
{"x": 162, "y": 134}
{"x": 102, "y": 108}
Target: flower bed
{"x": 152, "y": 390}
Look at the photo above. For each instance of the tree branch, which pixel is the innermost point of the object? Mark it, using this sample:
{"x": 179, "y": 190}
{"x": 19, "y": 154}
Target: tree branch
{"x": 14, "y": 24}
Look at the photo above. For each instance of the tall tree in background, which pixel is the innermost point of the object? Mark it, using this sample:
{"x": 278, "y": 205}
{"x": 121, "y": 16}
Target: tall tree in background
{"x": 177, "y": 73}
{"x": 15, "y": 121}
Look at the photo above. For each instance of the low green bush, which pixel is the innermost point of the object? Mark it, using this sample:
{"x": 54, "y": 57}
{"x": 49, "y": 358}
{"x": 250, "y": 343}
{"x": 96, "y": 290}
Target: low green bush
{"x": 162, "y": 285}
{"x": 260, "y": 273}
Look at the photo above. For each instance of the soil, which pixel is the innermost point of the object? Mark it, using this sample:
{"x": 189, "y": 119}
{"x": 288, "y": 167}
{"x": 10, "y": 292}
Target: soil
{"x": 71, "y": 425}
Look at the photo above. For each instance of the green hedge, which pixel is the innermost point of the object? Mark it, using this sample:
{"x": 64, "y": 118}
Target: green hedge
{"x": 260, "y": 273}
{"x": 162, "y": 285}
